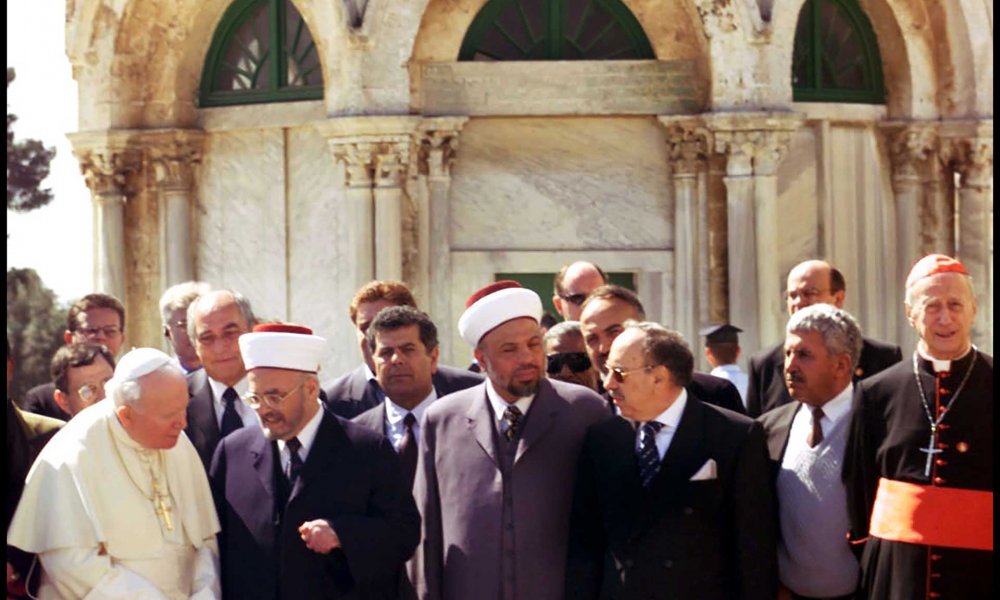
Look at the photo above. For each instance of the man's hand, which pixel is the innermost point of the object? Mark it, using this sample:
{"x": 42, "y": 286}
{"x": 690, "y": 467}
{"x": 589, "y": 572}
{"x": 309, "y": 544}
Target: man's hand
{"x": 319, "y": 536}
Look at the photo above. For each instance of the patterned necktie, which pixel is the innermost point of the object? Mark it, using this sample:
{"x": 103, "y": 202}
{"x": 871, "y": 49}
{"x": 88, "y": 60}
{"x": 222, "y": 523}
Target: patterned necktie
{"x": 231, "y": 420}
{"x": 295, "y": 461}
{"x": 648, "y": 455}
{"x": 816, "y": 435}
{"x": 512, "y": 418}
{"x": 408, "y": 448}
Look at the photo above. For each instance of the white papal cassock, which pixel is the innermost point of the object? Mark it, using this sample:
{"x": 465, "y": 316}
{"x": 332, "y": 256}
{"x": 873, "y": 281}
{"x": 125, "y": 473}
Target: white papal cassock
{"x": 90, "y": 512}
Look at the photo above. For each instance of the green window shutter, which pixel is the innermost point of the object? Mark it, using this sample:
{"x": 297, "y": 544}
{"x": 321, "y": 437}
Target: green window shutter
{"x": 262, "y": 51}
{"x": 836, "y": 56}
{"x": 555, "y": 30}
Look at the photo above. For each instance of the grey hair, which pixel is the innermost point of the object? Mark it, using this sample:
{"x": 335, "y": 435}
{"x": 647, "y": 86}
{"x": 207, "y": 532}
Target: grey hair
{"x": 910, "y": 291}
{"x": 840, "y": 332}
{"x": 666, "y": 347}
{"x": 181, "y": 296}
{"x": 128, "y": 391}
{"x": 559, "y": 330}
{"x": 244, "y": 305}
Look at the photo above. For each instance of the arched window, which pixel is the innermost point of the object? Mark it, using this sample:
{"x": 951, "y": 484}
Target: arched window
{"x": 262, "y": 51}
{"x": 555, "y": 30}
{"x": 836, "y": 57}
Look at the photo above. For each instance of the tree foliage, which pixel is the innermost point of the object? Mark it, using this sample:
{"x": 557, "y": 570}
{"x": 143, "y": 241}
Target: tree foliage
{"x": 35, "y": 325}
{"x": 27, "y": 166}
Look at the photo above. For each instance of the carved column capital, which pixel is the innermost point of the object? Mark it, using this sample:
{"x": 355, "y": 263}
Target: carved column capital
{"x": 391, "y": 160}
{"x": 689, "y": 143}
{"x": 357, "y": 158}
{"x": 910, "y": 145}
{"x": 107, "y": 170}
{"x": 754, "y": 143}
{"x": 174, "y": 159}
{"x": 972, "y": 157}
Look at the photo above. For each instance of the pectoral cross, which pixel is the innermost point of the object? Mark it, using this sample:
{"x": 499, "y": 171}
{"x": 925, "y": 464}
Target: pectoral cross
{"x": 162, "y": 510}
{"x": 931, "y": 450}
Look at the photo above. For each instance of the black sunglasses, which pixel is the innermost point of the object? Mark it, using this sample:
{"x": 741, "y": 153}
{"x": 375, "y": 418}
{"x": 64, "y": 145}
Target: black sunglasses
{"x": 578, "y": 362}
{"x": 574, "y": 299}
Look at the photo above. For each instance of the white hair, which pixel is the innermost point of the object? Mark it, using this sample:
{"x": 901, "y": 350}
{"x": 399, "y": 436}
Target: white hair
{"x": 181, "y": 296}
{"x": 129, "y": 391}
{"x": 911, "y": 299}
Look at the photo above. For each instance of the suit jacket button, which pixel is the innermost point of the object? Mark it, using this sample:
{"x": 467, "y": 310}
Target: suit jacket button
{"x": 668, "y": 563}
{"x": 688, "y": 511}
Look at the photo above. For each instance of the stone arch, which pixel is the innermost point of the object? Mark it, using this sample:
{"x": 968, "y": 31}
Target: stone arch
{"x": 145, "y": 61}
{"x": 908, "y": 62}
{"x": 674, "y": 29}
{"x": 965, "y": 59}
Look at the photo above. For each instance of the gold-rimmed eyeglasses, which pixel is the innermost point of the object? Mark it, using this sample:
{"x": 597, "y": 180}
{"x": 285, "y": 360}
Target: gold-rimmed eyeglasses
{"x": 255, "y": 401}
{"x": 618, "y": 374}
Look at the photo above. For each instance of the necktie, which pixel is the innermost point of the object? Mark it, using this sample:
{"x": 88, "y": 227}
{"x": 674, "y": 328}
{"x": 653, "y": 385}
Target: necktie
{"x": 816, "y": 435}
{"x": 295, "y": 462}
{"x": 648, "y": 455}
{"x": 408, "y": 448}
{"x": 512, "y": 417}
{"x": 231, "y": 420}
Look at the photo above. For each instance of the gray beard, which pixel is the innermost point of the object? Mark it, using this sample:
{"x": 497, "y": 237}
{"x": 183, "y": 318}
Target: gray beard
{"x": 522, "y": 390}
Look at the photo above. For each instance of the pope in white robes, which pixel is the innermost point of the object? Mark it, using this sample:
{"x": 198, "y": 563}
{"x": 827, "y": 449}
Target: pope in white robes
{"x": 118, "y": 505}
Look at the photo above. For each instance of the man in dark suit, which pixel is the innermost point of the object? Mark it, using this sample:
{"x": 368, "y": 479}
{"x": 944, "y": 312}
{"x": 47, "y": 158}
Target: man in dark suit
{"x": 806, "y": 441}
{"x": 603, "y": 317}
{"x": 358, "y": 390}
{"x": 810, "y": 282}
{"x": 672, "y": 496}
{"x": 96, "y": 318}
{"x": 311, "y": 506}
{"x": 215, "y": 408}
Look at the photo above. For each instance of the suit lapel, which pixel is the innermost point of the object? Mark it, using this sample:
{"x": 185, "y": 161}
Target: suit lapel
{"x": 262, "y": 459}
{"x": 203, "y": 410}
{"x": 777, "y": 437}
{"x": 686, "y": 453}
{"x": 481, "y": 423}
{"x": 329, "y": 437}
{"x": 359, "y": 384}
{"x": 543, "y": 413}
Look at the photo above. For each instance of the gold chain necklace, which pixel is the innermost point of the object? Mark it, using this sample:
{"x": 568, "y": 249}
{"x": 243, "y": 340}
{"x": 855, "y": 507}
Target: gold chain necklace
{"x": 158, "y": 497}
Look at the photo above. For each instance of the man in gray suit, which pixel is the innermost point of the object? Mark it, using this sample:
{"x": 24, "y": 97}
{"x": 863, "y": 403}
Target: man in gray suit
{"x": 497, "y": 462}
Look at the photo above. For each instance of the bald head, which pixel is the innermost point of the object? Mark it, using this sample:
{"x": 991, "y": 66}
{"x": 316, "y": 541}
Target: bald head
{"x": 572, "y": 285}
{"x": 814, "y": 282}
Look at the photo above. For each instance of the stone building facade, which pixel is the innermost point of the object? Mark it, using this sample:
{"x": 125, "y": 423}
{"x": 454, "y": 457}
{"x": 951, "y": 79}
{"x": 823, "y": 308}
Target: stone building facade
{"x": 694, "y": 168}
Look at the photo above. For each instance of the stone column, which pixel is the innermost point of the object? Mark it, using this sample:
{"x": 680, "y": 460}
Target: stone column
{"x": 438, "y": 145}
{"x": 911, "y": 148}
{"x": 754, "y": 144}
{"x": 174, "y": 157}
{"x": 974, "y": 163}
{"x": 375, "y": 153}
{"x": 688, "y": 143}
{"x": 106, "y": 169}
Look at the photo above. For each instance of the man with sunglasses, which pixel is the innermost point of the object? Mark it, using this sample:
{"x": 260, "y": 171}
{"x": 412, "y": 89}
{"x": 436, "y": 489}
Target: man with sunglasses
{"x": 566, "y": 355}
{"x": 97, "y": 318}
{"x": 672, "y": 497}
{"x": 810, "y": 282}
{"x": 311, "y": 505}
{"x": 603, "y": 319}
{"x": 573, "y": 284}
{"x": 79, "y": 372}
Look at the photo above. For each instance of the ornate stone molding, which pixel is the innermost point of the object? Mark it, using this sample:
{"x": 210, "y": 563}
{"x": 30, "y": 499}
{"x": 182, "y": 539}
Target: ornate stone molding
{"x": 437, "y": 145}
{"x": 390, "y": 161}
{"x": 108, "y": 171}
{"x": 357, "y": 158}
{"x": 754, "y": 143}
{"x": 968, "y": 148}
{"x": 175, "y": 159}
{"x": 375, "y": 150}
{"x": 910, "y": 145}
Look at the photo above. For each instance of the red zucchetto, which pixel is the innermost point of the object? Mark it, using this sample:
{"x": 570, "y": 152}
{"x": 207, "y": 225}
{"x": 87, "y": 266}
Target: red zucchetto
{"x": 933, "y": 264}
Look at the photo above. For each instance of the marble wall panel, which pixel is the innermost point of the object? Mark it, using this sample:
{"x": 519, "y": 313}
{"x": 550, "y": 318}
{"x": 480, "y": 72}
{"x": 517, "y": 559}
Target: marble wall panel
{"x": 561, "y": 184}
{"x": 241, "y": 218}
{"x": 318, "y": 293}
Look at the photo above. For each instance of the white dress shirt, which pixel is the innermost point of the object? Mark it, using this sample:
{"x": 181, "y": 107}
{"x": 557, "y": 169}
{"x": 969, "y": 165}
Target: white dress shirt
{"x": 500, "y": 405}
{"x": 670, "y": 419}
{"x": 394, "y": 415}
{"x": 833, "y": 412}
{"x": 247, "y": 414}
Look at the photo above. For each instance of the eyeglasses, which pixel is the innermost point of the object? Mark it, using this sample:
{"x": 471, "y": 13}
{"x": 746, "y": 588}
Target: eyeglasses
{"x": 255, "y": 401}
{"x": 574, "y": 299}
{"x": 92, "y": 332}
{"x": 806, "y": 294}
{"x": 618, "y": 374}
{"x": 88, "y": 393}
{"x": 578, "y": 362}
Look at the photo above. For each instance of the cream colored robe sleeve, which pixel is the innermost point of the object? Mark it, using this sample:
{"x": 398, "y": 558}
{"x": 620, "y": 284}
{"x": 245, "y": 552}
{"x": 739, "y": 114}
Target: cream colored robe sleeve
{"x": 84, "y": 573}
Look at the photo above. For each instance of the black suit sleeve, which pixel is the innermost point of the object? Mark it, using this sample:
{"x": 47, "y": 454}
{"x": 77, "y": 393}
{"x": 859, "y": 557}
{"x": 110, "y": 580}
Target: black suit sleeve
{"x": 587, "y": 539}
{"x": 217, "y": 483}
{"x": 755, "y": 387}
{"x": 860, "y": 472}
{"x": 754, "y": 524}
{"x": 388, "y": 533}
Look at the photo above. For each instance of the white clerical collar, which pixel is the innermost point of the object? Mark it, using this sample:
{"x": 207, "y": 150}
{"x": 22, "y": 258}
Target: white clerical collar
{"x": 838, "y": 407}
{"x": 939, "y": 364}
{"x": 395, "y": 413}
{"x": 308, "y": 434}
{"x": 671, "y": 417}
{"x": 218, "y": 389}
{"x": 500, "y": 405}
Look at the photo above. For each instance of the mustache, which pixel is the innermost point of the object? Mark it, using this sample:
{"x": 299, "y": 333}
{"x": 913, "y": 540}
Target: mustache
{"x": 794, "y": 378}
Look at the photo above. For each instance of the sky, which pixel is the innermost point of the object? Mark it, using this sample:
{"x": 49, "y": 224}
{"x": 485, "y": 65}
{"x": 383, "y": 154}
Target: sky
{"x": 55, "y": 240}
